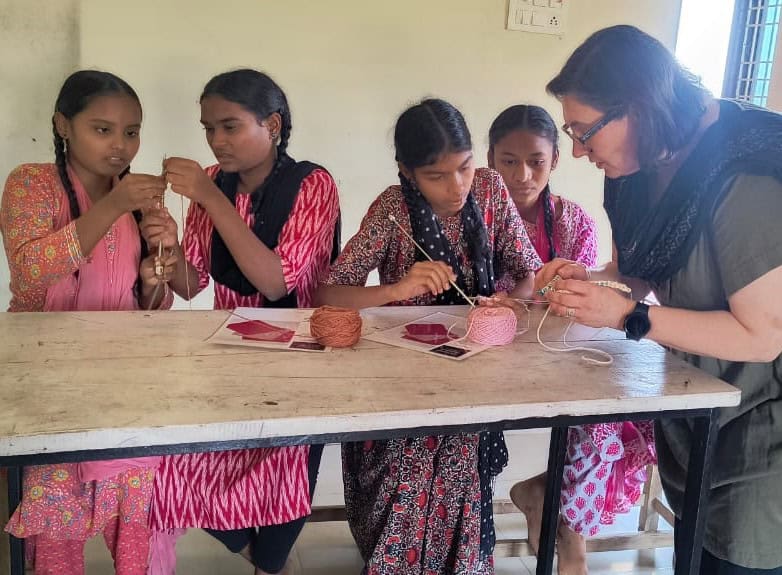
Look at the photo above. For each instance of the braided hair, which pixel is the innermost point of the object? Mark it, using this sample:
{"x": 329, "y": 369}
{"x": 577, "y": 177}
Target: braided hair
{"x": 78, "y": 91}
{"x": 535, "y": 120}
{"x": 259, "y": 94}
{"x": 425, "y": 132}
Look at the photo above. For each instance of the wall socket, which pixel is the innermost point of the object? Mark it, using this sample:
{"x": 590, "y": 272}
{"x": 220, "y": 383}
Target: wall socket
{"x": 538, "y": 16}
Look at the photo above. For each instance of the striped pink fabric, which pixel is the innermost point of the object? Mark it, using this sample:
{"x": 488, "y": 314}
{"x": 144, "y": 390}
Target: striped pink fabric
{"x": 304, "y": 246}
{"x": 249, "y": 487}
{"x": 231, "y": 489}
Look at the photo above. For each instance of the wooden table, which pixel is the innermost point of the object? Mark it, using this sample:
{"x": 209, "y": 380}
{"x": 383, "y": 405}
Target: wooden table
{"x": 93, "y": 385}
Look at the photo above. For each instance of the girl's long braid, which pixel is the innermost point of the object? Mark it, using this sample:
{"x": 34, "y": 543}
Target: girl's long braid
{"x": 61, "y": 160}
{"x": 548, "y": 219}
{"x": 282, "y": 146}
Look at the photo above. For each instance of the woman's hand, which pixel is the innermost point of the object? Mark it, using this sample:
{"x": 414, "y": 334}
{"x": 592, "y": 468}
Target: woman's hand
{"x": 565, "y": 269}
{"x": 589, "y": 304}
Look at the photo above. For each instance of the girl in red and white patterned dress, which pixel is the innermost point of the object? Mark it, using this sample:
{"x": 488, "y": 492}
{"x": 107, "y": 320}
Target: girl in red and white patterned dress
{"x": 605, "y": 467}
{"x": 423, "y": 506}
{"x": 264, "y": 227}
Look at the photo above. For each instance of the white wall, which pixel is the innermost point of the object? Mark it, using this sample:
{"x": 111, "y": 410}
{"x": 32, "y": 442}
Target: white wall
{"x": 39, "y": 47}
{"x": 349, "y": 68}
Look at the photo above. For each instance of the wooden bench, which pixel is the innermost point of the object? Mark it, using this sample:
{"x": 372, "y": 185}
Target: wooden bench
{"x": 647, "y": 537}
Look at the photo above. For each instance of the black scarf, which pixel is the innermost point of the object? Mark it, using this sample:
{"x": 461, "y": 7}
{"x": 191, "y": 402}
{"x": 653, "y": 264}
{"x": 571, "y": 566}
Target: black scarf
{"x": 492, "y": 451}
{"x": 272, "y": 203}
{"x": 655, "y": 241}
{"x": 428, "y": 233}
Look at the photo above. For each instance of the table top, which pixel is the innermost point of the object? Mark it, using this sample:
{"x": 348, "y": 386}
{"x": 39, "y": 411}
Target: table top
{"x": 106, "y": 380}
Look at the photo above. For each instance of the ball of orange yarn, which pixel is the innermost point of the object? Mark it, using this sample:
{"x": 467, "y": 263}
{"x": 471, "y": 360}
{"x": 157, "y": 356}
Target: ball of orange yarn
{"x": 335, "y": 326}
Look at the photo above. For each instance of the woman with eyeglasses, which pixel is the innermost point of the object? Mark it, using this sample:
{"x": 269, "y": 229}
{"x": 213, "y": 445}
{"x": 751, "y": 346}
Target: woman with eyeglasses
{"x": 693, "y": 192}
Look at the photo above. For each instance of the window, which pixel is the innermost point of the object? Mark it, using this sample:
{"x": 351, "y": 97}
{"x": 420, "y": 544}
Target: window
{"x": 751, "y": 50}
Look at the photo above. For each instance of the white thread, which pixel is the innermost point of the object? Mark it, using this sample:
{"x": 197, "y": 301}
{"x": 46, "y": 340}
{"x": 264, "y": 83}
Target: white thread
{"x": 613, "y": 285}
{"x": 158, "y": 262}
{"x": 609, "y": 359}
{"x": 187, "y": 272}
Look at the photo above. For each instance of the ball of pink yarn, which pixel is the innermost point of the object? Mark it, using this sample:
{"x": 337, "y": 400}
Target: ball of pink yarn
{"x": 491, "y": 325}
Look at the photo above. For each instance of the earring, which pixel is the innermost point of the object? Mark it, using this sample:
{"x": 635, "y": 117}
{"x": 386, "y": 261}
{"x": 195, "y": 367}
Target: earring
{"x": 273, "y": 135}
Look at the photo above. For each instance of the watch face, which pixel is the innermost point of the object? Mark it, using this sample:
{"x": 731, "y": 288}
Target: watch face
{"x": 637, "y": 325}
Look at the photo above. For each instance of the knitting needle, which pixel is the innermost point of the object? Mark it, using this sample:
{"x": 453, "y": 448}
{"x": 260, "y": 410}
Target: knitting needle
{"x": 409, "y": 237}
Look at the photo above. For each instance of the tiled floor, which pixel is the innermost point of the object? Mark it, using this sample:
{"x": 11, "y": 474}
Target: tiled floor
{"x": 328, "y": 548}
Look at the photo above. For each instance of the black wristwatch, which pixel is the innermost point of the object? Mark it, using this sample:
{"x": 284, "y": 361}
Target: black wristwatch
{"x": 637, "y": 323}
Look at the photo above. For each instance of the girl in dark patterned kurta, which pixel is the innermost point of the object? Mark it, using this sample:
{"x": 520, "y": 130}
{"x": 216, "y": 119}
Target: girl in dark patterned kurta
{"x": 422, "y": 506}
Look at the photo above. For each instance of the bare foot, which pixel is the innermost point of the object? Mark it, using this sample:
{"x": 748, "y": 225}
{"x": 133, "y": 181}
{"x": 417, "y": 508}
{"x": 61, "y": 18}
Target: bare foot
{"x": 571, "y": 552}
{"x": 528, "y": 497}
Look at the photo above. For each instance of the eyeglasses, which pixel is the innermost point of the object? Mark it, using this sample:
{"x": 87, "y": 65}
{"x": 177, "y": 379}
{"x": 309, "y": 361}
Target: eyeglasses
{"x": 607, "y": 118}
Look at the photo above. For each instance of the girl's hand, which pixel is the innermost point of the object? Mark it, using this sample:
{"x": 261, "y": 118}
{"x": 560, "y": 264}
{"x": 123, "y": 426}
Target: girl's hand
{"x": 154, "y": 272}
{"x": 424, "y": 277}
{"x": 137, "y": 192}
{"x": 157, "y": 226}
{"x": 189, "y": 179}
{"x": 589, "y": 304}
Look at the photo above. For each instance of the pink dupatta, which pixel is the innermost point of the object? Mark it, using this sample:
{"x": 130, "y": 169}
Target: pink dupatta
{"x": 105, "y": 282}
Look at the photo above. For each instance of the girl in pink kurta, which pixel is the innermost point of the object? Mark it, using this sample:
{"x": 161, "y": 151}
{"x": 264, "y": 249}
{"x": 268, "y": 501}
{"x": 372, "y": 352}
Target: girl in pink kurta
{"x": 606, "y": 462}
{"x": 264, "y": 228}
{"x": 72, "y": 243}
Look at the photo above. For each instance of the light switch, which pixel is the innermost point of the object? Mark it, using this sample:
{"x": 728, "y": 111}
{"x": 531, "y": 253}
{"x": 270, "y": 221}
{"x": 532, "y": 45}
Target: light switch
{"x": 539, "y": 19}
{"x": 537, "y": 16}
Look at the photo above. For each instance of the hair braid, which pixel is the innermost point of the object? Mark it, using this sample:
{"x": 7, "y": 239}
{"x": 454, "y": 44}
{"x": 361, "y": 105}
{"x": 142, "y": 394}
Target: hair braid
{"x": 548, "y": 220}
{"x": 60, "y": 159}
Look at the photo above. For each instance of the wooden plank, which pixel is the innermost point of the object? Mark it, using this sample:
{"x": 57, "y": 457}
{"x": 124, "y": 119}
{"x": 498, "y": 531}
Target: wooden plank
{"x": 127, "y": 379}
{"x": 521, "y": 548}
{"x": 631, "y": 541}
{"x": 648, "y": 518}
{"x": 36, "y": 337}
{"x": 664, "y": 512}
